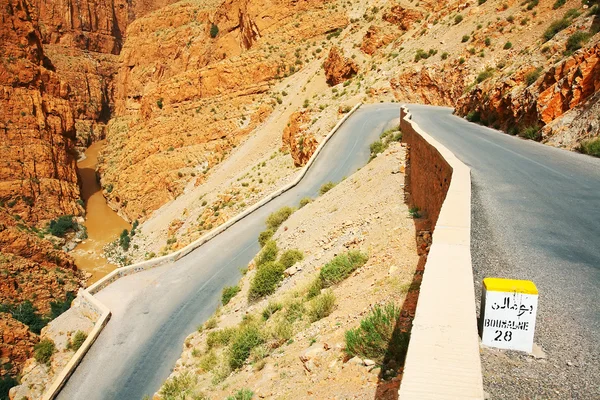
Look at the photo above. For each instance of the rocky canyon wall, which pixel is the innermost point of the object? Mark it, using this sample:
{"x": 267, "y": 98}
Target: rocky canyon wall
{"x": 193, "y": 83}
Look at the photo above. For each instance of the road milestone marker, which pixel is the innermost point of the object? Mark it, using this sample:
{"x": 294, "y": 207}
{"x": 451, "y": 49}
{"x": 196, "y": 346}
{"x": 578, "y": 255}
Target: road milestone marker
{"x": 508, "y": 308}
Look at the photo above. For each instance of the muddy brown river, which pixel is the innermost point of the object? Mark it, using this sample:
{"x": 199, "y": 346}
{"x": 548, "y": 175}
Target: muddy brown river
{"x": 103, "y": 224}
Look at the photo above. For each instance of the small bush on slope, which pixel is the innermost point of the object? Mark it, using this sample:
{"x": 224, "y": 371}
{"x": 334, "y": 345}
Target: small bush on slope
{"x": 268, "y": 253}
{"x": 290, "y": 257}
{"x": 376, "y": 336}
{"x": 267, "y": 277}
{"x": 277, "y": 218}
{"x": 43, "y": 351}
{"x": 341, "y": 267}
{"x": 229, "y": 292}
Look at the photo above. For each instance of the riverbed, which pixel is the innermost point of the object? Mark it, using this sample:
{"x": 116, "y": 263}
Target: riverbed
{"x": 103, "y": 224}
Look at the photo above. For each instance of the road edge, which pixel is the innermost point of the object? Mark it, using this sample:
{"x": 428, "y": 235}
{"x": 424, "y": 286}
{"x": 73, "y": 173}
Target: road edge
{"x": 443, "y": 359}
{"x": 86, "y": 295}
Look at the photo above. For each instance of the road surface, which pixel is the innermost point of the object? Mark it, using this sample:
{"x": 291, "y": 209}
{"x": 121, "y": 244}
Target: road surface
{"x": 153, "y": 311}
{"x": 536, "y": 215}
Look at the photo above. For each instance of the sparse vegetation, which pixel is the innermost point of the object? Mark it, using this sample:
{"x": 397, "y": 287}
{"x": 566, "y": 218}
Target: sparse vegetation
{"x": 591, "y": 147}
{"x": 576, "y": 41}
{"x": 43, "y": 351}
{"x": 387, "y": 137}
{"x": 465, "y": 38}
{"x": 415, "y": 212}
{"x": 267, "y": 254}
{"x": 265, "y": 236}
{"x": 321, "y": 306}
{"x": 179, "y": 387}
{"x": 246, "y": 339}
{"x": 214, "y": 31}
{"x": 377, "y": 335}
{"x": 76, "y": 340}
{"x": 229, "y": 292}
{"x": 304, "y": 201}
{"x": 341, "y": 267}
{"x": 533, "y": 76}
{"x": 326, "y": 187}
{"x": 486, "y": 74}
{"x": 264, "y": 283}
{"x": 558, "y": 3}
{"x": 27, "y": 314}
{"x": 531, "y": 132}
{"x": 290, "y": 257}
{"x": 458, "y": 19}
{"x": 60, "y": 226}
{"x": 507, "y": 46}
{"x": 242, "y": 394}
{"x": 124, "y": 240}
{"x": 277, "y": 218}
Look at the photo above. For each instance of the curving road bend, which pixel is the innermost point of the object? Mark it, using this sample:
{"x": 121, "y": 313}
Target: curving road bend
{"x": 536, "y": 215}
{"x": 153, "y": 311}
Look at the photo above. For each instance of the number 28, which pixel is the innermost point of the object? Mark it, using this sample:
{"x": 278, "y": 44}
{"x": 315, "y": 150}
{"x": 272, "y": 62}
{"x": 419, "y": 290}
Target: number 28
{"x": 499, "y": 337}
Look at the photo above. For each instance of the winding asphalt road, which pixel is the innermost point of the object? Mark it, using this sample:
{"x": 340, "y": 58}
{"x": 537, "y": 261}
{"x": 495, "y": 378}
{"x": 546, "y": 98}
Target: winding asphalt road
{"x": 153, "y": 311}
{"x": 536, "y": 215}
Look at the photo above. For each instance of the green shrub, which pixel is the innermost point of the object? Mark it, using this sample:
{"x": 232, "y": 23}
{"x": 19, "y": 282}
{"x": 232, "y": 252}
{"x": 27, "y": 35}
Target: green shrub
{"x": 265, "y": 236}
{"x": 555, "y": 27}
{"x": 267, "y": 254}
{"x": 576, "y": 41}
{"x": 214, "y": 31}
{"x": 507, "y": 45}
{"x": 444, "y": 55}
{"x": 277, "y": 218}
{"x": 26, "y": 313}
{"x": 209, "y": 361}
{"x": 533, "y": 76}
{"x": 465, "y": 38}
{"x": 415, "y": 212}
{"x": 480, "y": 2}
{"x": 62, "y": 225}
{"x": 6, "y": 383}
{"x": 179, "y": 387}
{"x": 294, "y": 311}
{"x": 487, "y": 41}
{"x": 60, "y": 306}
{"x": 376, "y": 335}
{"x": 290, "y": 257}
{"x": 242, "y": 394}
{"x": 326, "y": 187}
{"x": 558, "y": 3}
{"x": 265, "y": 281}
{"x": 77, "y": 340}
{"x": 376, "y": 147}
{"x": 341, "y": 267}
{"x": 591, "y": 147}
{"x": 43, "y": 351}
{"x": 531, "y": 132}
{"x": 124, "y": 240}
{"x": 304, "y": 201}
{"x": 159, "y": 103}
{"x": 321, "y": 306}
{"x": 220, "y": 338}
{"x": 229, "y": 292}
{"x": 271, "y": 309}
{"x": 458, "y": 19}
{"x": 488, "y": 73}
{"x": 247, "y": 338}
{"x": 314, "y": 289}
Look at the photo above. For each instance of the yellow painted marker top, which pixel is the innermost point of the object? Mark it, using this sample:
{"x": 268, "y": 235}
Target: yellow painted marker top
{"x": 509, "y": 285}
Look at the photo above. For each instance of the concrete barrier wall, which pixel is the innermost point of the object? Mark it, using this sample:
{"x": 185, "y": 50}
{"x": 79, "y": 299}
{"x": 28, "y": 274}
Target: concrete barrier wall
{"x": 86, "y": 296}
{"x": 443, "y": 354}
{"x": 86, "y": 301}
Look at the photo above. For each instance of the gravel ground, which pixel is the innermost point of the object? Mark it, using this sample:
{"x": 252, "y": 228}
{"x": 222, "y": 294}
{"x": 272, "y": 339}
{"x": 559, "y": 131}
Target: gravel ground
{"x": 568, "y": 368}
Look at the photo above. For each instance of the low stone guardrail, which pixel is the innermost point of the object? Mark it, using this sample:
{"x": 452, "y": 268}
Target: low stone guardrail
{"x": 87, "y": 301}
{"x": 86, "y": 295}
{"x": 443, "y": 354}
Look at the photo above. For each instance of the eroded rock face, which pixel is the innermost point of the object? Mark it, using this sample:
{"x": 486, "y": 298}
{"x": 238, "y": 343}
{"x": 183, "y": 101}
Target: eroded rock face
{"x": 38, "y": 177}
{"x": 404, "y": 18}
{"x": 435, "y": 85}
{"x": 374, "y": 39}
{"x": 16, "y": 344}
{"x": 301, "y": 145}
{"x": 511, "y": 105}
{"x": 338, "y": 68}
{"x": 184, "y": 99}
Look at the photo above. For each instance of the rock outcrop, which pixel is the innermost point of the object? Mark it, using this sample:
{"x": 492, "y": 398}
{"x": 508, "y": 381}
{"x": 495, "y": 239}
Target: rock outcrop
{"x": 375, "y": 39}
{"x": 338, "y": 68}
{"x": 432, "y": 84}
{"x": 402, "y": 17}
{"x": 16, "y": 344}
{"x": 301, "y": 145}
{"x": 510, "y": 104}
